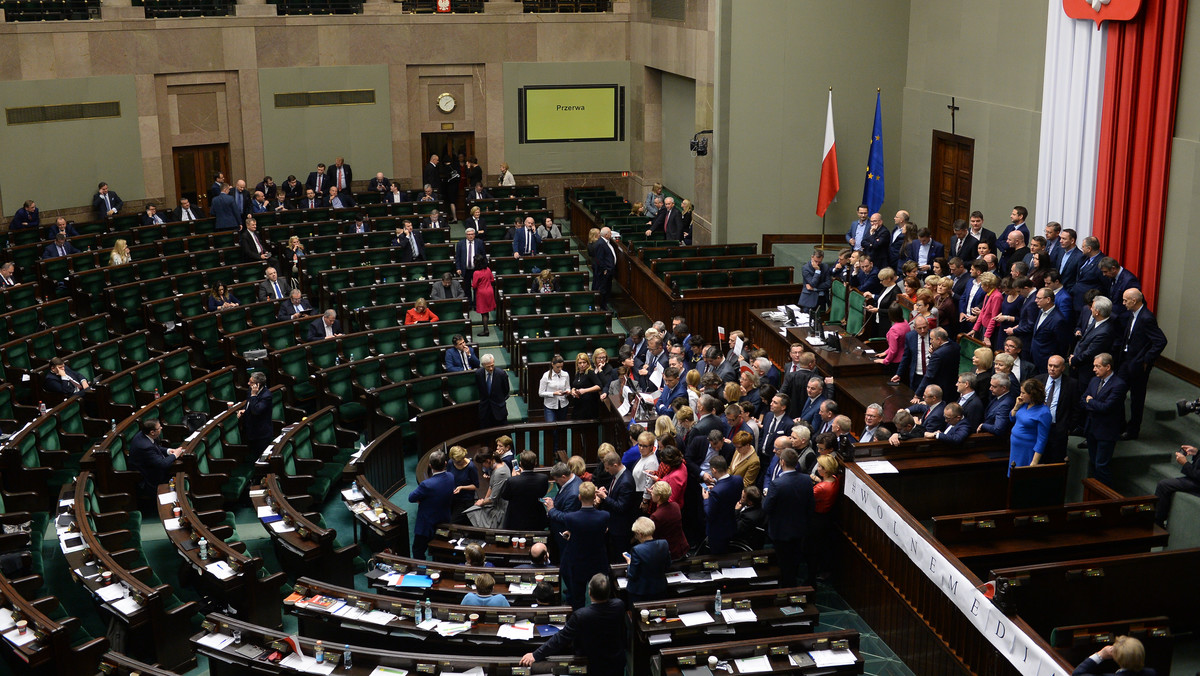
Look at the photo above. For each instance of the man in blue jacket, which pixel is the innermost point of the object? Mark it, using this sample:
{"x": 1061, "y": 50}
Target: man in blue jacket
{"x": 789, "y": 507}
{"x": 720, "y": 505}
{"x": 955, "y": 430}
{"x": 995, "y": 418}
{"x": 461, "y": 357}
{"x": 580, "y": 531}
{"x": 1104, "y": 405}
{"x": 622, "y": 500}
{"x": 150, "y": 457}
{"x": 433, "y": 497}
{"x": 673, "y": 387}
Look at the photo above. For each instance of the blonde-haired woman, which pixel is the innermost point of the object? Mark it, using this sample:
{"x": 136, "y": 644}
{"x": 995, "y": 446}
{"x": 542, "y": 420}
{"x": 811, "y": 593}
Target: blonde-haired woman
{"x": 664, "y": 427}
{"x": 991, "y": 304}
{"x": 120, "y": 253}
{"x": 506, "y": 177}
{"x": 686, "y": 208}
{"x": 585, "y": 389}
{"x": 466, "y": 482}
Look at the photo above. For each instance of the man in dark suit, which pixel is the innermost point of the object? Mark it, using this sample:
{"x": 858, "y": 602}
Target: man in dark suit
{"x": 28, "y": 216}
{"x": 1103, "y": 405}
{"x": 150, "y": 457}
{"x": 916, "y": 346}
{"x": 524, "y": 492}
{"x": 461, "y": 357}
{"x": 379, "y": 184}
{"x": 962, "y": 244}
{"x": 61, "y": 226}
{"x": 106, "y": 203}
{"x": 215, "y": 188}
{"x": 667, "y": 221}
{"x": 932, "y": 410}
{"x": 293, "y": 191}
{"x": 525, "y": 240}
{"x": 942, "y": 369}
{"x": 60, "y": 247}
{"x": 996, "y": 416}
{"x": 954, "y": 427}
{"x": 318, "y": 181}
{"x": 338, "y": 199}
{"x": 465, "y": 253}
{"x": 273, "y": 287}
{"x": 981, "y": 234}
{"x": 64, "y": 380}
{"x": 1062, "y": 398}
{"x": 1017, "y": 224}
{"x": 341, "y": 175}
{"x": 7, "y": 277}
{"x": 1120, "y": 280}
{"x": 257, "y": 428}
{"x": 241, "y": 200}
{"x": 1049, "y": 332}
{"x": 295, "y": 307}
{"x": 395, "y": 195}
{"x": 1099, "y": 335}
{"x": 1016, "y": 251}
{"x": 187, "y": 212}
{"x": 1089, "y": 275}
{"x": 720, "y": 506}
{"x": 817, "y": 282}
{"x": 597, "y": 633}
{"x": 622, "y": 501}
{"x": 1140, "y": 342}
{"x": 1128, "y": 653}
{"x": 433, "y": 497}
{"x": 789, "y": 507}
{"x": 312, "y": 199}
{"x": 866, "y": 279}
{"x": 325, "y": 326}
{"x": 923, "y": 250}
{"x": 253, "y": 247}
{"x": 1069, "y": 260}
{"x": 877, "y": 242}
{"x": 224, "y": 210}
{"x": 492, "y": 384}
{"x": 604, "y": 266}
{"x": 972, "y": 404}
{"x": 579, "y": 556}
{"x": 412, "y": 244}
{"x": 478, "y": 193}
{"x": 431, "y": 173}
{"x": 775, "y": 424}
{"x": 810, "y": 411}
{"x": 858, "y": 229}
{"x": 725, "y": 369}
{"x": 267, "y": 187}
{"x": 673, "y": 387}
{"x": 434, "y": 220}
{"x": 360, "y": 225}
{"x": 904, "y": 228}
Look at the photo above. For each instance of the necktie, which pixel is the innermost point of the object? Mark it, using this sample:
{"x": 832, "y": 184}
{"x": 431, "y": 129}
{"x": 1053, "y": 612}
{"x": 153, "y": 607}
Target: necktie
{"x": 312, "y": 204}
{"x": 297, "y": 309}
{"x": 320, "y": 180}
{"x": 470, "y": 255}
{"x": 1050, "y": 400}
{"x": 278, "y": 293}
{"x": 341, "y": 179}
{"x": 257, "y": 246}
{"x": 62, "y": 251}
{"x": 489, "y": 382}
{"x": 107, "y": 204}
{"x": 528, "y": 242}
{"x": 921, "y": 349}
{"x": 188, "y": 215}
{"x": 1103, "y": 382}
{"x": 413, "y": 240}
{"x": 464, "y": 358}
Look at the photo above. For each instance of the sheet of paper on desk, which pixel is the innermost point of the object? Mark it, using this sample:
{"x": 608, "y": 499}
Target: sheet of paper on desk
{"x": 6, "y": 620}
{"x": 352, "y": 495}
{"x": 282, "y": 527}
{"x": 452, "y": 628}
{"x": 378, "y": 617}
{"x": 308, "y": 665}
{"x": 17, "y": 639}
{"x": 221, "y": 569}
{"x": 878, "y": 467}
{"x": 127, "y": 606}
{"x": 429, "y": 625}
{"x": 677, "y": 578}
{"x": 622, "y": 582}
{"x": 110, "y": 593}
{"x": 388, "y": 671}
{"x": 172, "y": 524}
{"x": 521, "y": 588}
{"x": 216, "y": 641}
{"x": 738, "y": 573}
{"x": 750, "y": 665}
{"x": 167, "y": 498}
{"x": 473, "y": 671}
{"x": 349, "y": 612}
{"x": 813, "y": 340}
{"x": 258, "y": 492}
{"x": 698, "y": 617}
{"x": 733, "y": 616}
{"x": 264, "y": 510}
{"x": 521, "y": 631}
{"x": 831, "y": 658}
{"x": 392, "y": 578}
{"x": 69, "y": 502}
{"x": 659, "y": 639}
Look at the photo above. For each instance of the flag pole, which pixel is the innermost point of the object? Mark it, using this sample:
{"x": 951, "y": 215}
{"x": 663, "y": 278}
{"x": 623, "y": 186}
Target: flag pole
{"x": 823, "y": 215}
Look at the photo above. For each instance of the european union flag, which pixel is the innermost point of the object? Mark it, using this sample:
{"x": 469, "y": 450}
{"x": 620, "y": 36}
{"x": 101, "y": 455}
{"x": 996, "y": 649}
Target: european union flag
{"x": 873, "y": 184}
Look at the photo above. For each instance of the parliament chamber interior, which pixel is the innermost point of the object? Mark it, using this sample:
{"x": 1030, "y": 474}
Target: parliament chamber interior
{"x": 570, "y": 377}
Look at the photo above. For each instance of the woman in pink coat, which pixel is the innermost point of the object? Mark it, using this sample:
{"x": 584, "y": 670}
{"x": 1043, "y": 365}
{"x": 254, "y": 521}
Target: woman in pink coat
{"x": 485, "y": 295}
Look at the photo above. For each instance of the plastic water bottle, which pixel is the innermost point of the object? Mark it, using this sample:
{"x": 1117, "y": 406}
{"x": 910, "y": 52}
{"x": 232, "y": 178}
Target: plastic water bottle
{"x": 717, "y": 602}
{"x": 428, "y": 610}
{"x": 346, "y": 656}
{"x": 203, "y": 549}
{"x": 114, "y": 424}
{"x": 41, "y": 408}
{"x": 320, "y": 653}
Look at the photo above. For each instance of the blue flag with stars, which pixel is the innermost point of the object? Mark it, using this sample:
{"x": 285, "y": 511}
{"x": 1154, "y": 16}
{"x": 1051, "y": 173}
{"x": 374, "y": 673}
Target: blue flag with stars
{"x": 873, "y": 184}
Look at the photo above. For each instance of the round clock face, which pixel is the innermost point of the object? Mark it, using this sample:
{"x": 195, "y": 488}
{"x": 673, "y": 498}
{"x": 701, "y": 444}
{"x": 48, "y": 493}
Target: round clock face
{"x": 446, "y": 103}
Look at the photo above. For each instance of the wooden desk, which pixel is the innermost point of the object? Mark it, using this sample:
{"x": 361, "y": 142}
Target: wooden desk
{"x": 849, "y": 361}
{"x": 308, "y": 549}
{"x": 663, "y": 624}
{"x": 381, "y": 460}
{"x": 699, "y": 571}
{"x": 497, "y": 544}
{"x": 452, "y": 584}
{"x": 674, "y": 660}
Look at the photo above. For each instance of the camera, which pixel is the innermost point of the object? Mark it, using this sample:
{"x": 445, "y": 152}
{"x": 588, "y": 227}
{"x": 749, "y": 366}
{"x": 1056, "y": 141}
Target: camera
{"x": 1184, "y": 407}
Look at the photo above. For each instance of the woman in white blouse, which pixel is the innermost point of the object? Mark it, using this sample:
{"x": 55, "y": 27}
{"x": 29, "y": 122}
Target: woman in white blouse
{"x": 553, "y": 388}
{"x": 506, "y": 177}
{"x": 120, "y": 253}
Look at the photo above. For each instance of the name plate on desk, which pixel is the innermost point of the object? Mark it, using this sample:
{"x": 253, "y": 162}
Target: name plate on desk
{"x": 658, "y": 613}
{"x": 508, "y": 619}
{"x": 743, "y": 604}
{"x": 779, "y": 650}
{"x": 209, "y": 626}
{"x": 558, "y": 618}
{"x": 760, "y": 560}
{"x": 711, "y": 565}
{"x": 539, "y": 539}
{"x": 840, "y": 644}
{"x": 521, "y": 671}
{"x": 501, "y": 540}
{"x": 686, "y": 661}
{"x": 512, "y": 579}
{"x": 442, "y": 532}
{"x": 457, "y": 617}
{"x": 426, "y": 668}
{"x": 551, "y": 578}
{"x": 576, "y": 670}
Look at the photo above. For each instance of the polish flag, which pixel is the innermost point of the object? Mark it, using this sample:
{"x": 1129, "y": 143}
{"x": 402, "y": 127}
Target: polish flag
{"x": 829, "y": 171}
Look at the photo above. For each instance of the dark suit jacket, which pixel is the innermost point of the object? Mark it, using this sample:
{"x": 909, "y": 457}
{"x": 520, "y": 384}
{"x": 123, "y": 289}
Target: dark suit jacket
{"x": 878, "y": 246}
{"x": 454, "y": 360}
{"x": 1069, "y": 273}
{"x": 286, "y": 309}
{"x": 956, "y": 434}
{"x": 932, "y": 419}
{"x": 597, "y": 633}
{"x": 431, "y": 175}
{"x": 225, "y": 212}
{"x": 60, "y": 386}
{"x": 391, "y": 197}
{"x": 995, "y": 419}
{"x": 316, "y": 330}
{"x": 567, "y": 497}
{"x": 476, "y": 224}
{"x": 151, "y": 459}
{"x": 985, "y": 235}
{"x": 1066, "y": 418}
{"x": 1088, "y": 277}
{"x": 345, "y": 198}
{"x": 481, "y": 195}
{"x": 820, "y": 281}
{"x": 942, "y": 369}
{"x": 1090, "y": 667}
{"x": 433, "y": 495}
{"x": 246, "y": 241}
{"x": 868, "y": 281}
{"x": 789, "y": 506}
{"x": 907, "y": 368}
{"x": 52, "y": 232}
{"x": 460, "y": 252}
{"x": 197, "y": 213}
{"x": 913, "y": 250}
{"x": 331, "y": 172}
{"x": 720, "y": 509}
{"x": 1002, "y": 239}
{"x": 670, "y": 223}
{"x": 603, "y": 260}
{"x": 580, "y": 557}
{"x": 51, "y": 250}
{"x": 523, "y": 239}
{"x": 317, "y": 202}
{"x": 26, "y": 219}
{"x": 1141, "y": 347}
{"x": 524, "y": 493}
{"x": 1101, "y": 338}
{"x": 969, "y": 250}
{"x": 406, "y": 247}
{"x": 256, "y": 421}
{"x": 1049, "y": 339}
{"x": 311, "y": 182}
{"x": 292, "y": 193}
{"x": 766, "y": 440}
{"x": 811, "y": 411}
{"x": 98, "y": 203}
{"x": 266, "y": 290}
{"x": 728, "y": 371}
{"x": 623, "y": 505}
{"x": 647, "y": 572}
{"x": 495, "y": 401}
{"x": 973, "y": 411}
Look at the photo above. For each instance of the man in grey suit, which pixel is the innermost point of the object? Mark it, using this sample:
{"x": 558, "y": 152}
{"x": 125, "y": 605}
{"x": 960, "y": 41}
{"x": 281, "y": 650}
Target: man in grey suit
{"x": 273, "y": 287}
{"x": 446, "y": 288}
{"x": 726, "y": 370}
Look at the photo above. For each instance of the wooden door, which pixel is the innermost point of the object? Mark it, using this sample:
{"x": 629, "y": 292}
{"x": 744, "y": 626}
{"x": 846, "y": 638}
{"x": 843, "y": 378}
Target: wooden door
{"x": 949, "y": 182}
{"x": 195, "y": 167}
{"x": 449, "y": 145}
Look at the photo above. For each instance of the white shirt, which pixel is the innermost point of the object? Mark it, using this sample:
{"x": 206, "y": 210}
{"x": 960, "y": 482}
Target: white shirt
{"x": 551, "y": 382}
{"x": 643, "y": 474}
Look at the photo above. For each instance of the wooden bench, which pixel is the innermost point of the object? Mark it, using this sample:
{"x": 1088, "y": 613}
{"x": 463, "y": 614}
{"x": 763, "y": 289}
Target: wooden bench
{"x": 675, "y": 661}
{"x": 304, "y": 547}
{"x": 61, "y": 646}
{"x": 454, "y": 579}
{"x": 1075, "y": 643}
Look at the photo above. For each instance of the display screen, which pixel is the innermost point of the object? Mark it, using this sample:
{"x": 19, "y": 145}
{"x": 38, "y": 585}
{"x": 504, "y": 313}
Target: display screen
{"x": 570, "y": 113}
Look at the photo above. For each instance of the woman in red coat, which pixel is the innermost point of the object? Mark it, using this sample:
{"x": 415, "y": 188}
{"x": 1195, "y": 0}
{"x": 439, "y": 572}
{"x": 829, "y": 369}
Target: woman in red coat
{"x": 485, "y": 296}
{"x": 668, "y": 520}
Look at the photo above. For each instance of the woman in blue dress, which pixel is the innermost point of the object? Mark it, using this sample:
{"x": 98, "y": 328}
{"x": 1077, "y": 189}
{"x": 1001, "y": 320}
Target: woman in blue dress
{"x": 1031, "y": 425}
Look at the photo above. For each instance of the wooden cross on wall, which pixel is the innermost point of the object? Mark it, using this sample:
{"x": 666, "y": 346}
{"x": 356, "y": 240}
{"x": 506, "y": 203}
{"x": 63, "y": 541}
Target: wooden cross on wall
{"x": 953, "y": 109}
